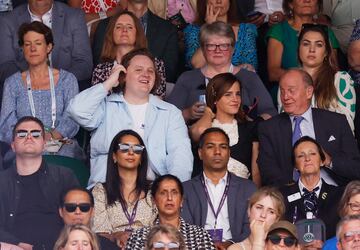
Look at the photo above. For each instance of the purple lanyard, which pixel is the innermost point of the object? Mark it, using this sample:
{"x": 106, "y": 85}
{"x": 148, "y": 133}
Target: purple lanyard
{"x": 222, "y": 201}
{"x": 129, "y": 217}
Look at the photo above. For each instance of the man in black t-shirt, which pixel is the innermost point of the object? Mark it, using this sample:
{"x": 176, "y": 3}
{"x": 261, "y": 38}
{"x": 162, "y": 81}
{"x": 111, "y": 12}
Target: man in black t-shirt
{"x": 30, "y": 191}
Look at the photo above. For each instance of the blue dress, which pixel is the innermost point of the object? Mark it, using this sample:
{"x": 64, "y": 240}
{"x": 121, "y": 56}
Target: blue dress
{"x": 15, "y": 104}
{"x": 245, "y": 46}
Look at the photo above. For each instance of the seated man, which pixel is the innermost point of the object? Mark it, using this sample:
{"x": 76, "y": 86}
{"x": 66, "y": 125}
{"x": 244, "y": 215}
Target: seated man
{"x": 71, "y": 50}
{"x": 30, "y": 191}
{"x": 331, "y": 130}
{"x": 161, "y": 37}
{"x": 77, "y": 207}
{"x": 348, "y": 233}
{"x": 221, "y": 197}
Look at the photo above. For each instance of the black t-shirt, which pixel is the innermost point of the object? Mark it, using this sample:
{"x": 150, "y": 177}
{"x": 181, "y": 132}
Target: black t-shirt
{"x": 37, "y": 221}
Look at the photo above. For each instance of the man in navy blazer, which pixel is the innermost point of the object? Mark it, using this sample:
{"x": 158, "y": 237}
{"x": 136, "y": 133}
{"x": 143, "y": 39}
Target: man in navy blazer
{"x": 330, "y": 129}
{"x": 227, "y": 193}
{"x": 71, "y": 50}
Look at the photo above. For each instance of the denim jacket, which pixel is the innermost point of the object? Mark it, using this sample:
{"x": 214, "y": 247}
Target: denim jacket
{"x": 165, "y": 136}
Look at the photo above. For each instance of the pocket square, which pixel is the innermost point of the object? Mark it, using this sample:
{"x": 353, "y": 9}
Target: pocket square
{"x": 332, "y": 138}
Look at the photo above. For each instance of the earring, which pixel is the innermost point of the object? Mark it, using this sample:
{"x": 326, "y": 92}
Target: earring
{"x": 115, "y": 161}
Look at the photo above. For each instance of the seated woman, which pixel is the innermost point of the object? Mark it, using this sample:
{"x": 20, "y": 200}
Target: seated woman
{"x": 42, "y": 92}
{"x": 266, "y": 206}
{"x": 311, "y": 197}
{"x": 217, "y": 44}
{"x": 161, "y": 236}
{"x": 123, "y": 202}
{"x": 123, "y": 34}
{"x": 168, "y": 193}
{"x": 223, "y": 100}
{"x": 348, "y": 205}
{"x": 283, "y": 37}
{"x": 333, "y": 90}
{"x": 77, "y": 237}
{"x": 210, "y": 11}
{"x": 283, "y": 235}
{"x": 131, "y": 106}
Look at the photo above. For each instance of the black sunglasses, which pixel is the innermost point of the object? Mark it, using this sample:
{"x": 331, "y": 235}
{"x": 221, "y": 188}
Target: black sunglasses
{"x": 124, "y": 148}
{"x": 71, "y": 207}
{"x": 276, "y": 239}
{"x": 24, "y": 133}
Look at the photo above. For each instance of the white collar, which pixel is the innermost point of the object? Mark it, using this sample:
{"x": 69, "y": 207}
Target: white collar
{"x": 221, "y": 181}
{"x": 302, "y": 186}
{"x": 46, "y": 18}
{"x": 307, "y": 115}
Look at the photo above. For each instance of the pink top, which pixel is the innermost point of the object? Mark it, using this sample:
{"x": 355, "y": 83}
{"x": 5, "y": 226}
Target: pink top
{"x": 184, "y": 6}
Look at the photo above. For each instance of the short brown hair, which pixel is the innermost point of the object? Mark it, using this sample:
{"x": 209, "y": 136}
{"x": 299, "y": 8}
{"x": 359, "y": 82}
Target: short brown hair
{"x": 37, "y": 27}
{"x": 108, "y": 52}
{"x": 352, "y": 189}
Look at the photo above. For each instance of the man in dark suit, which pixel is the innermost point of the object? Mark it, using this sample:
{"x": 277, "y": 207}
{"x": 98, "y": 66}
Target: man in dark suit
{"x": 330, "y": 129}
{"x": 71, "y": 50}
{"x": 221, "y": 197}
{"x": 161, "y": 37}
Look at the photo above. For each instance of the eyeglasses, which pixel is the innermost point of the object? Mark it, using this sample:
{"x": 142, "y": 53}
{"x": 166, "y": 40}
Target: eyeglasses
{"x": 124, "y": 148}
{"x": 354, "y": 206}
{"x": 24, "y": 133}
{"x": 71, "y": 207}
{"x": 276, "y": 239}
{"x": 350, "y": 236}
{"x": 159, "y": 245}
{"x": 222, "y": 46}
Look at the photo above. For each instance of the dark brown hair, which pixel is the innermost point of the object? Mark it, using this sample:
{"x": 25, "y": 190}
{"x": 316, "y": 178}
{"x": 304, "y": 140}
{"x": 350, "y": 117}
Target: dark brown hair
{"x": 216, "y": 89}
{"x": 108, "y": 53}
{"x": 37, "y": 27}
{"x": 232, "y": 14}
{"x": 126, "y": 62}
{"x": 324, "y": 88}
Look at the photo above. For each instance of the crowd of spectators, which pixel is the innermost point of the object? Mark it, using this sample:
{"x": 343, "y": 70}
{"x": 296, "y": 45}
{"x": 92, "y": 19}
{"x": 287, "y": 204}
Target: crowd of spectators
{"x": 196, "y": 124}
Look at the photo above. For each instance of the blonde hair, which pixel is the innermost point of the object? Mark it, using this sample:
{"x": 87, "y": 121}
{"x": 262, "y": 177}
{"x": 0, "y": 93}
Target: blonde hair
{"x": 65, "y": 233}
{"x": 168, "y": 230}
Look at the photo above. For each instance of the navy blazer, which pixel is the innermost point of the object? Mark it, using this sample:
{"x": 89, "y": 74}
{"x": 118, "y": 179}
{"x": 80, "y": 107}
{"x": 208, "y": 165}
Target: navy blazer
{"x": 328, "y": 200}
{"x": 331, "y": 131}
{"x": 71, "y": 50}
{"x": 195, "y": 205}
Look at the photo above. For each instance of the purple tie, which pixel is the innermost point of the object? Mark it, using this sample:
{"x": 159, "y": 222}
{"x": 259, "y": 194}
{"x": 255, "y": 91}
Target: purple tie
{"x": 297, "y": 131}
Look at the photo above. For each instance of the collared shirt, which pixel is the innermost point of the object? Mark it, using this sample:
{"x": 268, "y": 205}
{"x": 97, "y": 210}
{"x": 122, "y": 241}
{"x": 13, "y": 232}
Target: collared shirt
{"x": 46, "y": 18}
{"x": 302, "y": 186}
{"x": 215, "y": 193}
{"x": 144, "y": 21}
{"x": 5, "y": 5}
{"x": 307, "y": 125}
{"x": 183, "y": 6}
{"x": 268, "y": 6}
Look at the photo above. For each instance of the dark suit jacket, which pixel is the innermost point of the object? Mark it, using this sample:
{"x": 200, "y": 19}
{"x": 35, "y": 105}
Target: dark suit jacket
{"x": 71, "y": 50}
{"x": 328, "y": 200}
{"x": 275, "y": 147}
{"x": 195, "y": 205}
{"x": 162, "y": 43}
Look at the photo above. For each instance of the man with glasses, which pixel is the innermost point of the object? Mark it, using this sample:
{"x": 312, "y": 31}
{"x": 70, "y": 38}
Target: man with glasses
{"x": 282, "y": 235}
{"x": 348, "y": 233}
{"x": 30, "y": 191}
{"x": 77, "y": 207}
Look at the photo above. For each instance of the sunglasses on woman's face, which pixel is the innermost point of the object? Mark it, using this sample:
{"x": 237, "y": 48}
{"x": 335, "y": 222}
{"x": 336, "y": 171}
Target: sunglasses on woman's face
{"x": 124, "y": 148}
{"x": 71, "y": 207}
{"x": 289, "y": 241}
{"x": 161, "y": 245}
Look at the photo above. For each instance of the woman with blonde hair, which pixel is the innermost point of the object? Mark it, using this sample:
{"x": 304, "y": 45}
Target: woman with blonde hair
{"x": 266, "y": 206}
{"x": 77, "y": 237}
{"x": 165, "y": 235}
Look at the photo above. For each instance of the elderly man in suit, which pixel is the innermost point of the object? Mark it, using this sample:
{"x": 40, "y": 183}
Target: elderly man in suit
{"x": 221, "y": 197}
{"x": 331, "y": 130}
{"x": 71, "y": 51}
{"x": 161, "y": 37}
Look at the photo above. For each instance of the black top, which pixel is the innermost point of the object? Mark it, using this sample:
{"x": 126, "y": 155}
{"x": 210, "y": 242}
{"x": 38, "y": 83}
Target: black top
{"x": 36, "y": 222}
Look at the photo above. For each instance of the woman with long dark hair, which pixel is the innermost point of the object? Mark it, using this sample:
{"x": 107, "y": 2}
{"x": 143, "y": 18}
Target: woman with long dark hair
{"x": 122, "y": 203}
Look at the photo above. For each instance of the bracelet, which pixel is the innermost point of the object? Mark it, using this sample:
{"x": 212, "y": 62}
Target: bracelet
{"x": 102, "y": 15}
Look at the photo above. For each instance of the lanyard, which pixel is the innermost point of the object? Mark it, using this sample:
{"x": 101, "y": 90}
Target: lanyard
{"x": 222, "y": 201}
{"x": 230, "y": 70}
{"x": 129, "y": 217}
{"x": 53, "y": 98}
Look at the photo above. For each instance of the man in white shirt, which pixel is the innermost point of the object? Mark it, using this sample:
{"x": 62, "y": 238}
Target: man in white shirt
{"x": 221, "y": 197}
